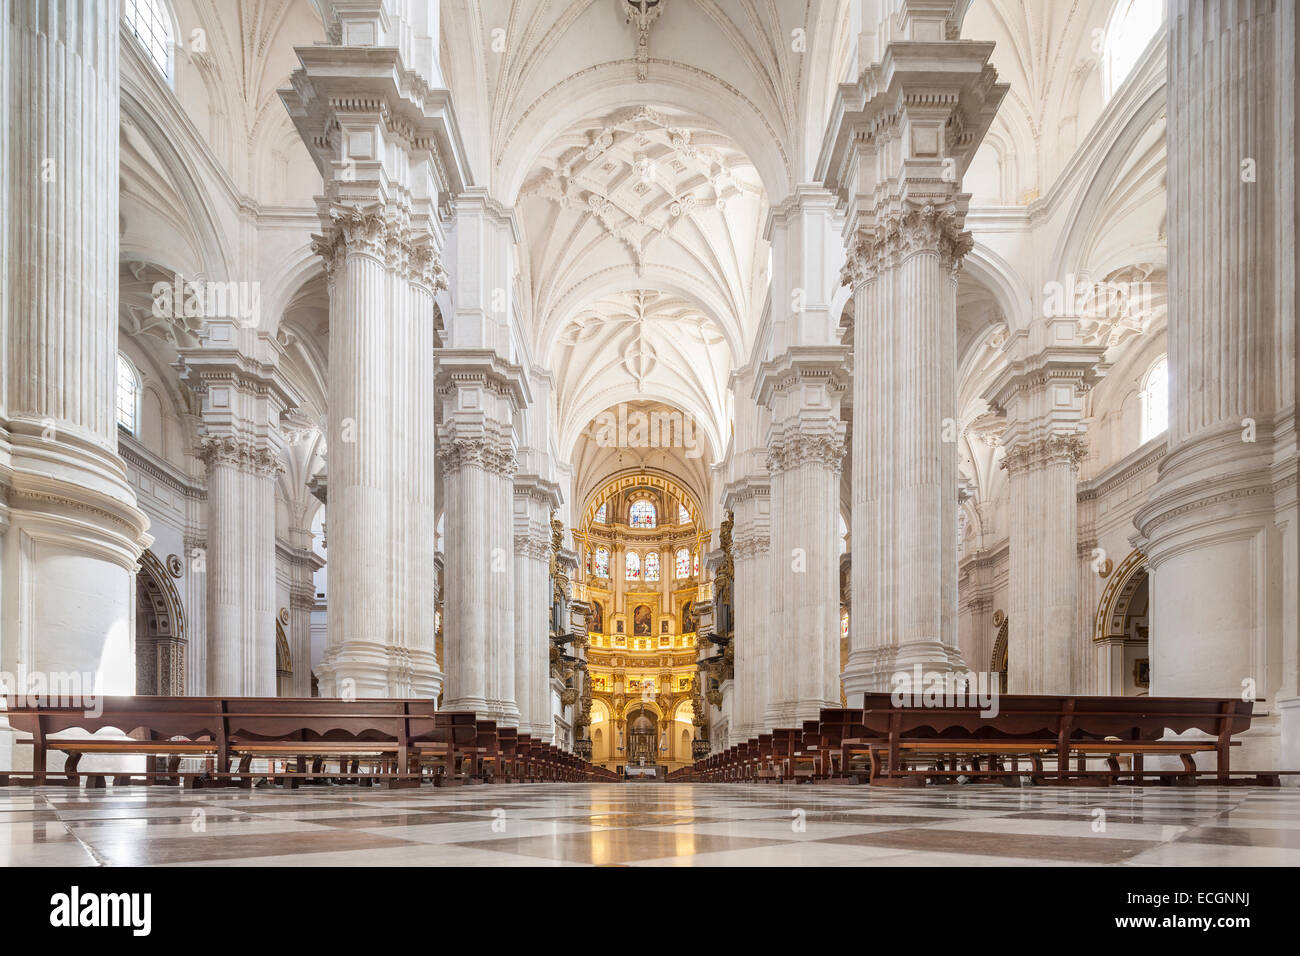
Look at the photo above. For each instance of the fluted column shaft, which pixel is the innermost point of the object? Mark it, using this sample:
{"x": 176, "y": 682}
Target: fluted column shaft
{"x": 1044, "y": 649}
{"x": 72, "y": 534}
{"x": 477, "y": 456}
{"x": 241, "y": 570}
{"x": 904, "y": 571}
{"x": 533, "y": 598}
{"x": 1221, "y": 521}
{"x": 806, "y": 451}
{"x": 359, "y": 470}
{"x": 382, "y": 616}
{"x": 751, "y": 553}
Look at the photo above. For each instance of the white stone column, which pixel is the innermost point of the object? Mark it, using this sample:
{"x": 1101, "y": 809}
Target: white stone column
{"x": 382, "y": 240}
{"x": 896, "y": 163}
{"x": 751, "y": 552}
{"x": 1041, "y": 391}
{"x": 904, "y": 532}
{"x": 480, "y": 396}
{"x": 195, "y": 598}
{"x": 236, "y": 371}
{"x": 74, "y": 534}
{"x": 804, "y": 388}
{"x": 534, "y": 500}
{"x": 240, "y": 567}
{"x": 1220, "y": 522}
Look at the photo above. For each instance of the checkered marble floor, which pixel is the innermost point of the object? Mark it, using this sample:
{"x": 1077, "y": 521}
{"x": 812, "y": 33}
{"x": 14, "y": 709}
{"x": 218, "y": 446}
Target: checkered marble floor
{"x": 647, "y": 824}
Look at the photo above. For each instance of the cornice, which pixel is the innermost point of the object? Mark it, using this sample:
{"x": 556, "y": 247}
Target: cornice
{"x": 142, "y": 459}
{"x": 1144, "y": 458}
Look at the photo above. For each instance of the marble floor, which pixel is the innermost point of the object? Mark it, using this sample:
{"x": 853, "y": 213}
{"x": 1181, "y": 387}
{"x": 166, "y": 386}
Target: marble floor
{"x": 650, "y": 825}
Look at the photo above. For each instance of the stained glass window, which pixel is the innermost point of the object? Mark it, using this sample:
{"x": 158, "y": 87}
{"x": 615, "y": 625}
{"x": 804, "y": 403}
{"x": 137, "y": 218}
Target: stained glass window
{"x": 683, "y": 563}
{"x": 683, "y": 516}
{"x": 695, "y": 563}
{"x": 652, "y": 566}
{"x": 642, "y": 514}
{"x": 600, "y": 512}
{"x": 602, "y": 562}
{"x": 633, "y": 565}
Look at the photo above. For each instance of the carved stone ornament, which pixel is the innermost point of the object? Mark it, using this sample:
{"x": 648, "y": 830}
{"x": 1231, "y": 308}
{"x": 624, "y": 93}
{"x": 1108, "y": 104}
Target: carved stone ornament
{"x": 795, "y": 448}
{"x": 642, "y": 14}
{"x": 929, "y": 228}
{"x": 384, "y": 234}
{"x": 1056, "y": 449}
{"x": 239, "y": 453}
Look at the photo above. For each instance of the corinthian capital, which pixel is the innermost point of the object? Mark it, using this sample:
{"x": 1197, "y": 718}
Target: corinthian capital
{"x": 895, "y": 235}
{"x": 425, "y": 267}
{"x": 1026, "y": 456}
{"x": 241, "y": 453}
{"x": 796, "y": 448}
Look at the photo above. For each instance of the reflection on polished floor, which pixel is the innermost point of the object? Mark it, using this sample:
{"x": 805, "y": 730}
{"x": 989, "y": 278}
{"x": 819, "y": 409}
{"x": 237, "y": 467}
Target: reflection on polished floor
{"x": 650, "y": 825}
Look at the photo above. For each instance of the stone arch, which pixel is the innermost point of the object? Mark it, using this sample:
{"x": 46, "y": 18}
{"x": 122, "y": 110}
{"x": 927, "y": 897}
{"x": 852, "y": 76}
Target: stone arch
{"x": 1122, "y": 665}
{"x": 161, "y": 640}
{"x": 1001, "y": 652}
{"x": 283, "y": 657}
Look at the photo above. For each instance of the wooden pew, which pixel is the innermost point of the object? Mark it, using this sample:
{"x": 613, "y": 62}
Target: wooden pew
{"x": 370, "y": 740}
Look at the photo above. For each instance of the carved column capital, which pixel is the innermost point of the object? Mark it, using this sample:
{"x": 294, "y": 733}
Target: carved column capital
{"x": 241, "y": 453}
{"x": 1024, "y": 456}
{"x": 899, "y": 234}
{"x": 794, "y": 448}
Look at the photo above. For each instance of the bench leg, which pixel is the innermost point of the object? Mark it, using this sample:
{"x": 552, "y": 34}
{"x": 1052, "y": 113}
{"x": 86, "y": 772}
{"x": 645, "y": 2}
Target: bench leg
{"x": 70, "y": 770}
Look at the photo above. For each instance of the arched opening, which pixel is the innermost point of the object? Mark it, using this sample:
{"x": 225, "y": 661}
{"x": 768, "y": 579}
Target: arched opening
{"x": 1122, "y": 630}
{"x": 283, "y": 659}
{"x": 160, "y": 640}
{"x": 642, "y": 737}
{"x": 1001, "y": 656}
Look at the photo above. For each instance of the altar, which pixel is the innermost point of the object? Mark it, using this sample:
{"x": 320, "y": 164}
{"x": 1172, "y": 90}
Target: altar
{"x": 641, "y": 772}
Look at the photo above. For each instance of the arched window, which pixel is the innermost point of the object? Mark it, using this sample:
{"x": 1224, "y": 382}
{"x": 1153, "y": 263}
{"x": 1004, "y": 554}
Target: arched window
{"x": 128, "y": 395}
{"x": 652, "y": 566}
{"x": 683, "y": 563}
{"x": 600, "y": 512}
{"x": 1132, "y": 25}
{"x": 683, "y": 516}
{"x": 602, "y": 562}
{"x": 152, "y": 26}
{"x": 642, "y": 514}
{"x": 1155, "y": 400}
{"x": 695, "y": 563}
{"x": 633, "y": 566}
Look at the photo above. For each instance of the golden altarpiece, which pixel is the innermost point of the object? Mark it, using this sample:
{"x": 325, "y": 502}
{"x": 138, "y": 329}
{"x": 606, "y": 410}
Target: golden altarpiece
{"x": 640, "y": 547}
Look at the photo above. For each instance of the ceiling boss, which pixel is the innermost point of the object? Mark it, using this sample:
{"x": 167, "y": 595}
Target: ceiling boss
{"x": 643, "y": 13}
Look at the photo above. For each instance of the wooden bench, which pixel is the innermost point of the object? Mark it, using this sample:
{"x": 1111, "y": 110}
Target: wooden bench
{"x": 370, "y": 740}
{"x": 1063, "y": 740}
{"x": 1037, "y": 726}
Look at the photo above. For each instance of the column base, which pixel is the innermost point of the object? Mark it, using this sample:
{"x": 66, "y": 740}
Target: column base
{"x": 504, "y": 712}
{"x": 872, "y": 671}
{"x": 792, "y": 714}
{"x": 366, "y": 669}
